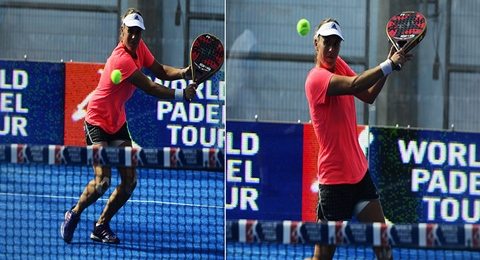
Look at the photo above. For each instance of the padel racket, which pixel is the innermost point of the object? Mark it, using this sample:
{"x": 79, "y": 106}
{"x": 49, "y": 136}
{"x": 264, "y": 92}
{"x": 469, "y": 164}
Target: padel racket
{"x": 206, "y": 57}
{"x": 406, "y": 30}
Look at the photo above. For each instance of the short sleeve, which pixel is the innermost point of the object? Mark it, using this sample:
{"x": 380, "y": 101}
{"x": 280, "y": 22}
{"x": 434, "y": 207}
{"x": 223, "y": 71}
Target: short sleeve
{"x": 147, "y": 56}
{"x": 316, "y": 85}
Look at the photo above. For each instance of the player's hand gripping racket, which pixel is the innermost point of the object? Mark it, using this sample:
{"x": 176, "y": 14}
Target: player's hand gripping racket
{"x": 206, "y": 57}
{"x": 406, "y": 30}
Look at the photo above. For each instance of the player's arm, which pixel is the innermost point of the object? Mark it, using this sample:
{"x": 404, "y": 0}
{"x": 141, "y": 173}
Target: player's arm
{"x": 166, "y": 72}
{"x": 369, "y": 95}
{"x": 345, "y": 85}
{"x": 142, "y": 82}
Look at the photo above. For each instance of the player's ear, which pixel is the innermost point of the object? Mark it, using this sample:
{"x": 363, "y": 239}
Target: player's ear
{"x": 315, "y": 44}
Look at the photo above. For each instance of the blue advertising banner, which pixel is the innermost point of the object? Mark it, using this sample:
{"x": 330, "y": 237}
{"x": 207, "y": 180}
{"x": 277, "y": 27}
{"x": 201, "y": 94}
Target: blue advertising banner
{"x": 31, "y": 102}
{"x": 427, "y": 176}
{"x": 199, "y": 123}
{"x": 264, "y": 171}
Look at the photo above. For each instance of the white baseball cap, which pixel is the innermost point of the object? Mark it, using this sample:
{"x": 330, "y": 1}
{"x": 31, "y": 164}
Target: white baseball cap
{"x": 132, "y": 20}
{"x": 330, "y": 28}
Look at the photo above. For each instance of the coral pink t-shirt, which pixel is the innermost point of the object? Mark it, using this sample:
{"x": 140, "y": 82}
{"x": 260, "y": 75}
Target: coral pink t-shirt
{"x": 340, "y": 157}
{"x": 106, "y": 107}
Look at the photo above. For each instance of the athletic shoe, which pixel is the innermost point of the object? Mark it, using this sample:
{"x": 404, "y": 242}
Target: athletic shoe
{"x": 103, "y": 233}
{"x": 69, "y": 225}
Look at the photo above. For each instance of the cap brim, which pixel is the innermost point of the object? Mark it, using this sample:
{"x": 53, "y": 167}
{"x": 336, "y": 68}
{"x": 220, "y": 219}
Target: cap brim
{"x": 135, "y": 23}
{"x": 330, "y": 32}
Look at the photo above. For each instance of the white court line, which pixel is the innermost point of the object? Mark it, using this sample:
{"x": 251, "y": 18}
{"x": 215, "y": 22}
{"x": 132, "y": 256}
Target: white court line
{"x": 138, "y": 201}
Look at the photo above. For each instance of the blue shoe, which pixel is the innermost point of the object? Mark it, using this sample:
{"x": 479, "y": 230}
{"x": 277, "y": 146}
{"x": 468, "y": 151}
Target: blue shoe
{"x": 103, "y": 233}
{"x": 69, "y": 225}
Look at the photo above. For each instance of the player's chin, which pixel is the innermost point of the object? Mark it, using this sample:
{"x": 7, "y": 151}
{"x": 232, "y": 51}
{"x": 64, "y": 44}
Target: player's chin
{"x": 330, "y": 60}
{"x": 132, "y": 46}
{"x": 328, "y": 63}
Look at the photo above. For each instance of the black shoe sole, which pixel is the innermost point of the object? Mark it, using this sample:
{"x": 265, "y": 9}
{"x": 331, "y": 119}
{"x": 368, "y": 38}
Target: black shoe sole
{"x": 97, "y": 239}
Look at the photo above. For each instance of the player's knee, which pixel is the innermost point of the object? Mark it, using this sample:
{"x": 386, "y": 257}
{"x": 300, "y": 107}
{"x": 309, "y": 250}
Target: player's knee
{"x": 102, "y": 186}
{"x": 130, "y": 186}
{"x": 383, "y": 253}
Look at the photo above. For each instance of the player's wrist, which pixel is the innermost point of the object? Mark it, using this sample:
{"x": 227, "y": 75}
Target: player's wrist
{"x": 179, "y": 94}
{"x": 184, "y": 71}
{"x": 387, "y": 66}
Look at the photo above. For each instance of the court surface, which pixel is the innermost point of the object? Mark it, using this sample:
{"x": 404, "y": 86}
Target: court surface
{"x": 171, "y": 215}
{"x": 241, "y": 251}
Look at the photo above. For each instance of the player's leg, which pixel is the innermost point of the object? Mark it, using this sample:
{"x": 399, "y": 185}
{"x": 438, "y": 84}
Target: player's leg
{"x": 369, "y": 209}
{"x": 120, "y": 195}
{"x": 95, "y": 136}
{"x": 92, "y": 192}
{"x": 335, "y": 203}
{"x": 373, "y": 213}
{"x": 94, "y": 189}
{"x": 323, "y": 252}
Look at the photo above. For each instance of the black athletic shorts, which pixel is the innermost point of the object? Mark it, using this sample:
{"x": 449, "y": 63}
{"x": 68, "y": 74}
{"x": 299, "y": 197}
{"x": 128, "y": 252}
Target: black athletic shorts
{"x": 337, "y": 202}
{"x": 95, "y": 134}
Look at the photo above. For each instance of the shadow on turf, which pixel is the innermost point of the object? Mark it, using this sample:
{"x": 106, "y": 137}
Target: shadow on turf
{"x": 152, "y": 249}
